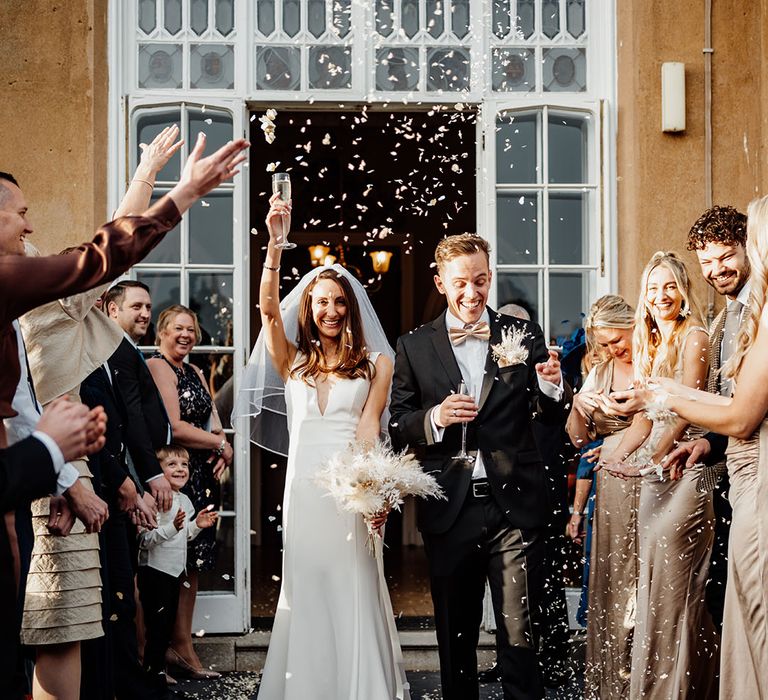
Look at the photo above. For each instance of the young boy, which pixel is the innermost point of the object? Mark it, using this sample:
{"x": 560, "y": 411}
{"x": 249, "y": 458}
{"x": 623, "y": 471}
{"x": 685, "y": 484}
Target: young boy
{"x": 163, "y": 558}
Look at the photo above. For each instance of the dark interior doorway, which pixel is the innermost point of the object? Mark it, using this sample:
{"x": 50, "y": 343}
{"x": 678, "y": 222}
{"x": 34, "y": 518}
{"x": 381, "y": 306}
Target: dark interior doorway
{"x": 363, "y": 180}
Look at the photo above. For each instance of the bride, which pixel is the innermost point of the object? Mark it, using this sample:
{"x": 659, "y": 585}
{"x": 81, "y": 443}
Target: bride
{"x": 318, "y": 379}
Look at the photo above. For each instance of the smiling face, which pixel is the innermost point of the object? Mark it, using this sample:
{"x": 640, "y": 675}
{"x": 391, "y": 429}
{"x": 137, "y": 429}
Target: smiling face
{"x": 14, "y": 223}
{"x": 725, "y": 267}
{"x": 176, "y": 470}
{"x": 133, "y": 313}
{"x": 178, "y": 336}
{"x": 466, "y": 281}
{"x": 617, "y": 342}
{"x": 663, "y": 295}
{"x": 329, "y": 308}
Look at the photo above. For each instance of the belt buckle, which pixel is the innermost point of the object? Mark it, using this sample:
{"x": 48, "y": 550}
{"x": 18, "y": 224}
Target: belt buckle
{"x": 481, "y": 489}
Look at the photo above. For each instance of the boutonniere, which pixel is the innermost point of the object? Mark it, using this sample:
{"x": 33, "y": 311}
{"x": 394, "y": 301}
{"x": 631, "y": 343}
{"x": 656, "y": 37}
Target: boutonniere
{"x": 510, "y": 351}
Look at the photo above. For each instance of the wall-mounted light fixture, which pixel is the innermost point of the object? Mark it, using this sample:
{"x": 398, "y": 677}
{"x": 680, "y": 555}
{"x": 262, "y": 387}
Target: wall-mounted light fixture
{"x": 318, "y": 253}
{"x": 380, "y": 259}
{"x": 673, "y": 97}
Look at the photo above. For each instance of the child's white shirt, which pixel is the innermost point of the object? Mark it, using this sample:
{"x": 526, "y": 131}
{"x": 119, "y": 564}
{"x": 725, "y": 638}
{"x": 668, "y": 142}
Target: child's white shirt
{"x": 165, "y": 547}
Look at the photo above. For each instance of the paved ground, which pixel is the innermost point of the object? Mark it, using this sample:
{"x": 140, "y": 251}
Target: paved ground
{"x": 424, "y": 686}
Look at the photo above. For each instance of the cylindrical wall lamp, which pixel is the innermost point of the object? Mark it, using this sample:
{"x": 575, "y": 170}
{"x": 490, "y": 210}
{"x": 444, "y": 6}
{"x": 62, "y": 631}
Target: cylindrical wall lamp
{"x": 673, "y": 97}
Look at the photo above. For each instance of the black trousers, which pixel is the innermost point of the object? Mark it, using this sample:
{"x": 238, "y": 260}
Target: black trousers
{"x": 110, "y": 664}
{"x": 482, "y": 544}
{"x": 159, "y": 593}
{"x": 718, "y": 565}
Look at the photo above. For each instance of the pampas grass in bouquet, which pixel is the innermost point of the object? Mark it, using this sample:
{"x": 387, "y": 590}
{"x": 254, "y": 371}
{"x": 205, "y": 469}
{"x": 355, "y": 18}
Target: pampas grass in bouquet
{"x": 370, "y": 480}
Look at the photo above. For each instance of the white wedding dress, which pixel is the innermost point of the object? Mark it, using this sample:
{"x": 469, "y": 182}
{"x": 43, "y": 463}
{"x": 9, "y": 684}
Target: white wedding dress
{"x": 334, "y": 635}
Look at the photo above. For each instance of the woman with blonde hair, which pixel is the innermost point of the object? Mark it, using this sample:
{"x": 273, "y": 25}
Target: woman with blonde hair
{"x": 744, "y": 649}
{"x": 674, "y": 648}
{"x": 613, "y": 550}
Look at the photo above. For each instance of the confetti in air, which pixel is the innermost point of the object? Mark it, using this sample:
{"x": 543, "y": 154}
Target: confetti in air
{"x": 268, "y": 125}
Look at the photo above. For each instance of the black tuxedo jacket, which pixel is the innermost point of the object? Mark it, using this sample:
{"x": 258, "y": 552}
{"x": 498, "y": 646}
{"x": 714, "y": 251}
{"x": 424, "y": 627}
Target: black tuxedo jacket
{"x": 425, "y": 373}
{"x": 26, "y": 473}
{"x": 146, "y": 427}
{"x": 108, "y": 465}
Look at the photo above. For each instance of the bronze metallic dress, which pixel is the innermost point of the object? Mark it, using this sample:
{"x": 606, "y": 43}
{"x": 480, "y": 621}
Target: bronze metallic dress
{"x": 675, "y": 649}
{"x": 613, "y": 562}
{"x": 744, "y": 655}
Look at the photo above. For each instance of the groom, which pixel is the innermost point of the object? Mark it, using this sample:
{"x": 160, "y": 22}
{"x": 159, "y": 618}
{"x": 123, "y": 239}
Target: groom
{"x": 491, "y": 524}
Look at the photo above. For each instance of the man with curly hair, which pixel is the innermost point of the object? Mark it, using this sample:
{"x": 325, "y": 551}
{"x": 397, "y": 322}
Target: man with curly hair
{"x": 719, "y": 240}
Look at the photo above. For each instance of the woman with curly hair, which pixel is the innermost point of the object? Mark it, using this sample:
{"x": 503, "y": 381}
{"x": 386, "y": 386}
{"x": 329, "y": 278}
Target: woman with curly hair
{"x": 674, "y": 650}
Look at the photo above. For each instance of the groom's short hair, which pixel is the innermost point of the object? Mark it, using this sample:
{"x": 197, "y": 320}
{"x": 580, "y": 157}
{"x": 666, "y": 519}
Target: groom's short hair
{"x": 461, "y": 244}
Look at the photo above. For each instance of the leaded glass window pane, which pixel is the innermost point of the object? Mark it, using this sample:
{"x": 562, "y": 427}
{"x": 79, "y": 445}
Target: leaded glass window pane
{"x": 210, "y": 228}
{"x": 519, "y": 288}
{"x": 567, "y": 228}
{"x": 435, "y": 18}
{"x": 564, "y": 70}
{"x": 502, "y": 23}
{"x": 316, "y": 18}
{"x": 266, "y": 16}
{"x": 198, "y": 16}
{"x": 568, "y": 302}
{"x": 168, "y": 251}
{"x": 212, "y": 66}
{"x": 278, "y": 68}
{"x": 291, "y": 17}
{"x": 210, "y": 296}
{"x": 216, "y": 125}
{"x": 517, "y": 221}
{"x": 172, "y": 20}
{"x": 575, "y": 13}
{"x": 330, "y": 67}
{"x": 397, "y": 69}
{"x": 150, "y": 125}
{"x": 514, "y": 70}
{"x": 550, "y": 18}
{"x": 449, "y": 69}
{"x": 567, "y": 149}
{"x": 384, "y": 17}
{"x": 409, "y": 17}
{"x": 460, "y": 21}
{"x": 516, "y": 149}
{"x": 225, "y": 16}
{"x": 526, "y": 17}
{"x": 160, "y": 66}
{"x": 342, "y": 17}
{"x": 147, "y": 15}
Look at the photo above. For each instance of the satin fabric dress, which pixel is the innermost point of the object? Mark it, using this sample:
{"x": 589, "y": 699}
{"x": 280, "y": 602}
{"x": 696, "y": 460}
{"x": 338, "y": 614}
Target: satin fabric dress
{"x": 675, "y": 650}
{"x": 744, "y": 656}
{"x": 334, "y": 636}
{"x": 613, "y": 561}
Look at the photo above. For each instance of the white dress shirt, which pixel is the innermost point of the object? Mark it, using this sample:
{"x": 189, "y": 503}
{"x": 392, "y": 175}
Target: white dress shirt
{"x": 471, "y": 356}
{"x": 165, "y": 548}
{"x": 22, "y": 425}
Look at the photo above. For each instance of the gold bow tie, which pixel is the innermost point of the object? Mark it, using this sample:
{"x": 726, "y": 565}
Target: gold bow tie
{"x": 480, "y": 330}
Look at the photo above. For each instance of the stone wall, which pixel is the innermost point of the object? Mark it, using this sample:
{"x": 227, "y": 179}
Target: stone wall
{"x": 53, "y": 108}
{"x": 661, "y": 180}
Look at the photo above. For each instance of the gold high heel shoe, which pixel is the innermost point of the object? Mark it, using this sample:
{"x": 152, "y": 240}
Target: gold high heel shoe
{"x": 177, "y": 661}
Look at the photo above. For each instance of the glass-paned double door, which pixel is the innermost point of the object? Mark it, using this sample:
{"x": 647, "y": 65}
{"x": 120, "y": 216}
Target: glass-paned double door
{"x": 198, "y": 265}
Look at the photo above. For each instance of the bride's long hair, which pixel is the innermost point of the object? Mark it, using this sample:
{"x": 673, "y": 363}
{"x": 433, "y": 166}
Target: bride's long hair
{"x": 757, "y": 253}
{"x": 353, "y": 359}
{"x": 650, "y": 353}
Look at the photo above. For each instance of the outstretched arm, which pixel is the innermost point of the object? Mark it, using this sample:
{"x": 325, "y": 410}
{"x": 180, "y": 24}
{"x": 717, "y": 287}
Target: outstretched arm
{"x": 744, "y": 413}
{"x": 280, "y": 349}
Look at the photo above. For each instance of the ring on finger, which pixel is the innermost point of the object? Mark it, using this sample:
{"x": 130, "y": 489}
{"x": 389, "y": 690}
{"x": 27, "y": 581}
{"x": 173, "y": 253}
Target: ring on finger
{"x": 454, "y": 413}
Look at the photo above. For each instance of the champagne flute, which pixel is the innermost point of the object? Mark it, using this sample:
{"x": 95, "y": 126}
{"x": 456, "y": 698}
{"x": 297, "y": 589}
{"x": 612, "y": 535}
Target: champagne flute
{"x": 463, "y": 454}
{"x": 281, "y": 185}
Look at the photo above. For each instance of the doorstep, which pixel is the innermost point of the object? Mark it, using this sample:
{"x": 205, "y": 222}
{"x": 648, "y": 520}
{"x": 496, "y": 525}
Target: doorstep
{"x": 247, "y": 652}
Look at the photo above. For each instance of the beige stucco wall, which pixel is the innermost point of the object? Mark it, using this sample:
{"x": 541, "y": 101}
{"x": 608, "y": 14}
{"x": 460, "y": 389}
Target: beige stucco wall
{"x": 53, "y": 99}
{"x": 661, "y": 182}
